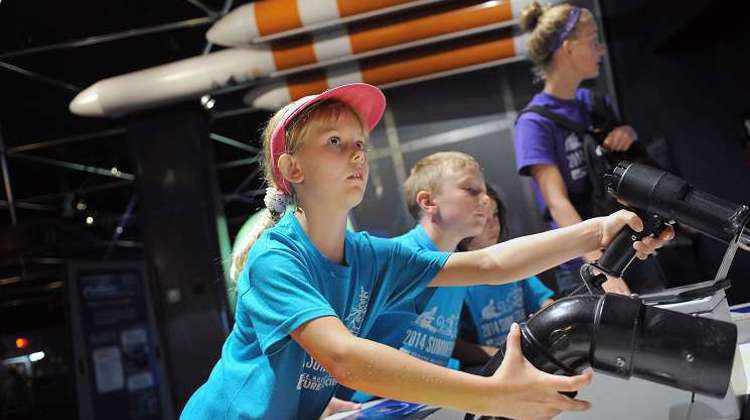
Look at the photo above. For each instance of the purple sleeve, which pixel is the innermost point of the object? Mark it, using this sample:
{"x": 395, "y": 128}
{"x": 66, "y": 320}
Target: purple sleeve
{"x": 587, "y": 97}
{"x": 535, "y": 144}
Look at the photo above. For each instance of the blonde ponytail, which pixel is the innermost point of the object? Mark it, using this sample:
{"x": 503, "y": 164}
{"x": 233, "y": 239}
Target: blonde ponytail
{"x": 239, "y": 258}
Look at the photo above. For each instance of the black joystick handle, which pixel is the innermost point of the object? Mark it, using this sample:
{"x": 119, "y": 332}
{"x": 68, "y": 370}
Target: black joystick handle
{"x": 620, "y": 253}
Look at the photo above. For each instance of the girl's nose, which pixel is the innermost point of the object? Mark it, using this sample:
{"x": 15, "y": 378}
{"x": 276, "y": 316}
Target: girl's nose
{"x": 485, "y": 200}
{"x": 359, "y": 155}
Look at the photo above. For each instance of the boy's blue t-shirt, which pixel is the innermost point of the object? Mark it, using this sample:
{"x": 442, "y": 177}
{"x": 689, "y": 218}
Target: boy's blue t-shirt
{"x": 263, "y": 373}
{"x": 493, "y": 309}
{"x": 427, "y": 326}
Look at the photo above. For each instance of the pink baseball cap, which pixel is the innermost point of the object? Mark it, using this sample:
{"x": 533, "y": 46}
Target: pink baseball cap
{"x": 366, "y": 100}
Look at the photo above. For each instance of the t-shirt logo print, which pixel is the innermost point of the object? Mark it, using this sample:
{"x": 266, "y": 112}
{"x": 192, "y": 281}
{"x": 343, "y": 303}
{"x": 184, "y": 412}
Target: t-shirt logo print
{"x": 425, "y": 319}
{"x": 314, "y": 376}
{"x": 357, "y": 314}
{"x": 437, "y": 324}
{"x": 490, "y": 311}
{"x": 576, "y": 159}
{"x": 572, "y": 143}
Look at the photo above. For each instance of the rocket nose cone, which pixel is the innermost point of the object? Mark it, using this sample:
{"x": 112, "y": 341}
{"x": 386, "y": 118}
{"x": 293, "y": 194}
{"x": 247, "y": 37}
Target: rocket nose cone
{"x": 235, "y": 28}
{"x": 270, "y": 97}
{"x": 87, "y": 103}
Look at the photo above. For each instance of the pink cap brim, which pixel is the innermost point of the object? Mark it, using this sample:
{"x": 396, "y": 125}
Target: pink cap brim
{"x": 366, "y": 100}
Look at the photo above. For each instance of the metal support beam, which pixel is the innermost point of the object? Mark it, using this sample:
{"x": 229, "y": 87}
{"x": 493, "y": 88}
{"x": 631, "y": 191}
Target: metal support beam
{"x": 234, "y": 112}
{"x": 207, "y": 10}
{"x": 236, "y": 163}
{"x": 28, "y": 206}
{"x": 251, "y": 176}
{"x": 75, "y": 166}
{"x": 120, "y": 226}
{"x": 234, "y": 143}
{"x": 65, "y": 140}
{"x": 255, "y": 193}
{"x": 6, "y": 181}
{"x": 235, "y": 195}
{"x": 84, "y": 190}
{"x": 190, "y": 23}
{"x": 40, "y": 77}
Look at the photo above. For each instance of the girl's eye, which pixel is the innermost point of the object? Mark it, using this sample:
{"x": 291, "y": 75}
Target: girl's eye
{"x": 361, "y": 145}
{"x": 334, "y": 140}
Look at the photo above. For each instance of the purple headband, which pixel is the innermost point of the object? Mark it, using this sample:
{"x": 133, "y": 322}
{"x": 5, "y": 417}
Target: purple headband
{"x": 570, "y": 23}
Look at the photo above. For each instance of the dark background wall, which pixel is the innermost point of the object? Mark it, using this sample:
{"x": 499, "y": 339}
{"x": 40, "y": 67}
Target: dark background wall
{"x": 682, "y": 73}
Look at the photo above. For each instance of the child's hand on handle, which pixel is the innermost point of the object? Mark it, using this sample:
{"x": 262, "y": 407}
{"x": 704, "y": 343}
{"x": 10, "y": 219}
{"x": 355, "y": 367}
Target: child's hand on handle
{"x": 616, "y": 285}
{"x": 620, "y": 139}
{"x": 615, "y": 222}
{"x": 337, "y": 406}
{"x": 525, "y": 392}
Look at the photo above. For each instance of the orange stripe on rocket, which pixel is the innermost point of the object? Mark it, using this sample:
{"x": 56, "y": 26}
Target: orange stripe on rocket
{"x": 395, "y": 70}
{"x": 378, "y": 37}
{"x": 272, "y": 19}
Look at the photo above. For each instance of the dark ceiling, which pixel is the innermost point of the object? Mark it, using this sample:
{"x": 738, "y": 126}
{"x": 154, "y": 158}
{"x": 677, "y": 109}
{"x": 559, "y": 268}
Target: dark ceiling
{"x": 63, "y": 169}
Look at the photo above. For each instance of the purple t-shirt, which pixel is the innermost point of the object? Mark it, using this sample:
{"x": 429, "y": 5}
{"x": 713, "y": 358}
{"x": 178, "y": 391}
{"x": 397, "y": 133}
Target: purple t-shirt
{"x": 541, "y": 141}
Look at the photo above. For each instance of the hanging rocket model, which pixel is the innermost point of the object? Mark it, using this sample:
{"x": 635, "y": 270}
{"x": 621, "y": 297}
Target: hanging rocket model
{"x": 197, "y": 76}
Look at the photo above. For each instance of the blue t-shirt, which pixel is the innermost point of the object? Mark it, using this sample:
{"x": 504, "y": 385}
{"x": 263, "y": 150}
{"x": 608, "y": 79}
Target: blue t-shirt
{"x": 427, "y": 326}
{"x": 494, "y": 308}
{"x": 263, "y": 373}
{"x": 540, "y": 141}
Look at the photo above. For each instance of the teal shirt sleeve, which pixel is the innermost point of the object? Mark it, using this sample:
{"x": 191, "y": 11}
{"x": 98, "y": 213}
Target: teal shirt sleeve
{"x": 406, "y": 271}
{"x": 534, "y": 294}
{"x": 281, "y": 296}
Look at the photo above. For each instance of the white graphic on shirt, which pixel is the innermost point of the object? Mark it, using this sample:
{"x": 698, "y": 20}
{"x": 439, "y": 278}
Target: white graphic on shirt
{"x": 572, "y": 142}
{"x": 575, "y": 157}
{"x": 497, "y": 317}
{"x": 490, "y": 311}
{"x": 357, "y": 314}
{"x": 431, "y": 336}
{"x": 314, "y": 377}
{"x": 436, "y": 324}
{"x": 426, "y": 318}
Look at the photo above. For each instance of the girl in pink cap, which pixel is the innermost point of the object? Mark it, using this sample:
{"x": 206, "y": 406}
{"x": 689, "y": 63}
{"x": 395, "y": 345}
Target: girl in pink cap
{"x": 308, "y": 289}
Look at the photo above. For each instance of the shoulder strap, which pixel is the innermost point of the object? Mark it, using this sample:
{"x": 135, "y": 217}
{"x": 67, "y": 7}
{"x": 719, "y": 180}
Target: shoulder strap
{"x": 556, "y": 118}
{"x": 603, "y": 116}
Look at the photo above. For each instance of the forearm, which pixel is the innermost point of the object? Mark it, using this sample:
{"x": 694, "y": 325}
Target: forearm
{"x": 380, "y": 370}
{"x": 555, "y": 193}
{"x": 563, "y": 212}
{"x": 521, "y": 257}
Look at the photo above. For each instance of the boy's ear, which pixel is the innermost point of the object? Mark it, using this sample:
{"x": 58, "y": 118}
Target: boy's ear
{"x": 291, "y": 169}
{"x": 425, "y": 202}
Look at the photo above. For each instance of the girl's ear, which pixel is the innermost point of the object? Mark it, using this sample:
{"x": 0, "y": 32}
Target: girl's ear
{"x": 291, "y": 169}
{"x": 426, "y": 203}
{"x": 567, "y": 46}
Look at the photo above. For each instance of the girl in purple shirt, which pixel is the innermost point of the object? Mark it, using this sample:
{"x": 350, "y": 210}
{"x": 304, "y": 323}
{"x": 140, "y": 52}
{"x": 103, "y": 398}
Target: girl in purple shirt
{"x": 564, "y": 46}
